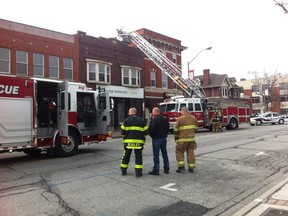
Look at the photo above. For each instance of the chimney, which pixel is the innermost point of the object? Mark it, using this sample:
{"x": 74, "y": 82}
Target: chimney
{"x": 206, "y": 77}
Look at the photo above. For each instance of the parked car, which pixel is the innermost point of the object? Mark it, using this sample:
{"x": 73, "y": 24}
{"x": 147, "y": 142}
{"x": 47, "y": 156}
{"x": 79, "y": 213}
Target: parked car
{"x": 267, "y": 118}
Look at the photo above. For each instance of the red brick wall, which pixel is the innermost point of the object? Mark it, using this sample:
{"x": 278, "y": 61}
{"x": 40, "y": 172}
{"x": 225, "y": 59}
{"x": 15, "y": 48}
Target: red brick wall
{"x": 60, "y": 45}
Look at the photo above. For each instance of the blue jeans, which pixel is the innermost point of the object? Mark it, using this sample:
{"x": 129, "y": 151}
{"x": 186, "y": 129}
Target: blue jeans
{"x": 160, "y": 144}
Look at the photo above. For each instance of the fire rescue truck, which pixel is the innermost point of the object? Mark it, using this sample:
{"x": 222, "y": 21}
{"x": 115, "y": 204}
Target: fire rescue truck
{"x": 39, "y": 114}
{"x": 233, "y": 112}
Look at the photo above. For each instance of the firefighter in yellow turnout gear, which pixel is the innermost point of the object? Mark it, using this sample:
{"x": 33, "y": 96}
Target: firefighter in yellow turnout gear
{"x": 184, "y": 133}
{"x": 134, "y": 130}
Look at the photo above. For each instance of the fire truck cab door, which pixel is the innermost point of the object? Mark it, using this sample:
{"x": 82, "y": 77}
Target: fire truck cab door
{"x": 63, "y": 98}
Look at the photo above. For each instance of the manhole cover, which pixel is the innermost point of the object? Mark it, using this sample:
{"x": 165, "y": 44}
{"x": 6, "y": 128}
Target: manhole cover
{"x": 275, "y": 212}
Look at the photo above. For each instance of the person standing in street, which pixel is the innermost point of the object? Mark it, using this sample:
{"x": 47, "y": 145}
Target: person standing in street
{"x": 134, "y": 130}
{"x": 158, "y": 130}
{"x": 184, "y": 134}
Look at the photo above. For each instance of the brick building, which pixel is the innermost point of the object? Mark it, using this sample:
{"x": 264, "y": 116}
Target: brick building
{"x": 31, "y": 51}
{"x": 115, "y": 66}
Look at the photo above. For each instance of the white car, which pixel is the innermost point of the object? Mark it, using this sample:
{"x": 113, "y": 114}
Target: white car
{"x": 267, "y": 118}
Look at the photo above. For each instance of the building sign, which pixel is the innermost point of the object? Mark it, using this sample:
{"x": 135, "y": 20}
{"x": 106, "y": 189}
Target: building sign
{"x": 124, "y": 92}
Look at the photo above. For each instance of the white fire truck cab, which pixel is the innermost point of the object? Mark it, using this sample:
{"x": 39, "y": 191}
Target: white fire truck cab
{"x": 57, "y": 116}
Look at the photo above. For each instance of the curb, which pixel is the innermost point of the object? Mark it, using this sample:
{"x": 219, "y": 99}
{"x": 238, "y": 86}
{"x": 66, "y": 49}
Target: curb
{"x": 263, "y": 199}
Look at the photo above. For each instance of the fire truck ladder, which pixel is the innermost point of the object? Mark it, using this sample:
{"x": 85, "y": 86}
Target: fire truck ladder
{"x": 191, "y": 87}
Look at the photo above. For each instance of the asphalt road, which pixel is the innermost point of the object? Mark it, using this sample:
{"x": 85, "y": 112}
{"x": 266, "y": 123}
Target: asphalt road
{"x": 233, "y": 168}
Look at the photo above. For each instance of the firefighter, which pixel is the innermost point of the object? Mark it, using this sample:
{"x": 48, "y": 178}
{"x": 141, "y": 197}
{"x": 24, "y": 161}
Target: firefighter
{"x": 134, "y": 130}
{"x": 184, "y": 133}
{"x": 219, "y": 123}
{"x": 215, "y": 121}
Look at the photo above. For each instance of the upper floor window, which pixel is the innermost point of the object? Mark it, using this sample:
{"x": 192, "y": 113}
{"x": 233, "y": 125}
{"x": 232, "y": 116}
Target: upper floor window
{"x": 53, "y": 67}
{"x": 174, "y": 58}
{"x": 265, "y": 86}
{"x": 21, "y": 62}
{"x": 99, "y": 72}
{"x": 4, "y": 60}
{"x": 68, "y": 68}
{"x": 174, "y": 85}
{"x": 38, "y": 64}
{"x": 255, "y": 88}
{"x": 224, "y": 92}
{"x": 130, "y": 76}
{"x": 152, "y": 78}
{"x": 284, "y": 98}
{"x": 255, "y": 99}
{"x": 283, "y": 86}
{"x": 164, "y": 52}
{"x": 164, "y": 80}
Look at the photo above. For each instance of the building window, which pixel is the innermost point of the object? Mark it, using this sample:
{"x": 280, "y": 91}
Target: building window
{"x": 164, "y": 80}
{"x": 68, "y": 68}
{"x": 174, "y": 58}
{"x": 38, "y": 64}
{"x": 164, "y": 52}
{"x": 284, "y": 98}
{"x": 21, "y": 62}
{"x": 255, "y": 99}
{"x": 224, "y": 92}
{"x": 255, "y": 88}
{"x": 130, "y": 76}
{"x": 153, "y": 78}
{"x": 53, "y": 67}
{"x": 4, "y": 60}
{"x": 99, "y": 72}
{"x": 283, "y": 86}
{"x": 174, "y": 85}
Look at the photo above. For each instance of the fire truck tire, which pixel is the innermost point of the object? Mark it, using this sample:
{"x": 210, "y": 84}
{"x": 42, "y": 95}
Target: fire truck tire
{"x": 233, "y": 124}
{"x": 32, "y": 152}
{"x": 69, "y": 149}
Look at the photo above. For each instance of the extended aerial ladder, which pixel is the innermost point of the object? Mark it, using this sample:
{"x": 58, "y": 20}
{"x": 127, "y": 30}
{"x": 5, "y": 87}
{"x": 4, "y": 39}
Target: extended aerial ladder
{"x": 191, "y": 87}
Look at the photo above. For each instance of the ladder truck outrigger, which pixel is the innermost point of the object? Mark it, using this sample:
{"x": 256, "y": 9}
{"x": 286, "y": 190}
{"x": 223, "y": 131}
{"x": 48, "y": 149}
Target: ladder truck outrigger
{"x": 232, "y": 113}
{"x": 56, "y": 116}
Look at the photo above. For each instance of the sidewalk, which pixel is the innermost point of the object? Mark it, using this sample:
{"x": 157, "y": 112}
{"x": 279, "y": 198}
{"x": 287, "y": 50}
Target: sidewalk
{"x": 274, "y": 202}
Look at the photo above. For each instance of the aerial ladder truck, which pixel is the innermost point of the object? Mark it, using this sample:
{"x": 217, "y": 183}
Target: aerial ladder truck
{"x": 232, "y": 114}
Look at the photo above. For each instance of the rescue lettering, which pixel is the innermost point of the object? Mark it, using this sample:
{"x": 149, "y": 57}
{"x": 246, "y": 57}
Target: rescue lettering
{"x": 6, "y": 89}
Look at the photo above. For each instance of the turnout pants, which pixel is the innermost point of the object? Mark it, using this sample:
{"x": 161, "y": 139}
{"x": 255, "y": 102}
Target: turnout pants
{"x": 126, "y": 158}
{"x": 189, "y": 148}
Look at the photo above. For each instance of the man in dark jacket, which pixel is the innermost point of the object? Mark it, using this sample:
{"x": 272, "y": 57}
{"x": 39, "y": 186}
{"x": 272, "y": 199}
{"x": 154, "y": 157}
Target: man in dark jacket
{"x": 134, "y": 130}
{"x": 158, "y": 130}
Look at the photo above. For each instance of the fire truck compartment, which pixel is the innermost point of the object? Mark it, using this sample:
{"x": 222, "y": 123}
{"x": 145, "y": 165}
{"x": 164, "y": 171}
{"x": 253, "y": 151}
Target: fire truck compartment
{"x": 15, "y": 122}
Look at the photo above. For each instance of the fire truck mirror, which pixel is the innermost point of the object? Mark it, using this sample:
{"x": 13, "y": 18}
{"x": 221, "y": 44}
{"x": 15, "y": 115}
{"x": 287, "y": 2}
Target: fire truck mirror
{"x": 102, "y": 101}
{"x": 63, "y": 101}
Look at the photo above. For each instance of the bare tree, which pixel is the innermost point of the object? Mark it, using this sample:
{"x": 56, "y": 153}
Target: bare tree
{"x": 282, "y": 4}
{"x": 266, "y": 87}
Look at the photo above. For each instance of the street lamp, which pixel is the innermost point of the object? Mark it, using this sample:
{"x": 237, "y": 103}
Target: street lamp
{"x": 189, "y": 62}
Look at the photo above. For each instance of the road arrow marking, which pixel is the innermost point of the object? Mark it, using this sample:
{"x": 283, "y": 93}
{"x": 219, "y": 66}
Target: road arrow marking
{"x": 167, "y": 187}
{"x": 261, "y": 153}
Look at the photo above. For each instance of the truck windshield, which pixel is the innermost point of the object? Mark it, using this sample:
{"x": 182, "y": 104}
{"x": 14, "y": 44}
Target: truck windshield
{"x": 172, "y": 107}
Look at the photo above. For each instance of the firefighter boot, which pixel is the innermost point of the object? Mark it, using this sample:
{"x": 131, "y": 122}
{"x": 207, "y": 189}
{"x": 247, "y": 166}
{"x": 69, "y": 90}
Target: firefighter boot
{"x": 138, "y": 172}
{"x": 124, "y": 171}
{"x": 191, "y": 170}
{"x": 180, "y": 169}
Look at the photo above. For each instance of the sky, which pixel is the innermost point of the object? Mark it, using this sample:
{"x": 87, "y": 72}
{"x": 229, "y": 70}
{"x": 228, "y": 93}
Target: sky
{"x": 245, "y": 35}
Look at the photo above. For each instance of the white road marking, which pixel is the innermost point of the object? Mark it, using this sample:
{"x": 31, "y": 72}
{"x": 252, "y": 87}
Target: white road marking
{"x": 167, "y": 187}
{"x": 261, "y": 153}
{"x": 258, "y": 200}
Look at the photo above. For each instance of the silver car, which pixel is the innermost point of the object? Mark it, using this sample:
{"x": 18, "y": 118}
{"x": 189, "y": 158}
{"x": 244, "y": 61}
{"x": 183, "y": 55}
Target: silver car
{"x": 267, "y": 118}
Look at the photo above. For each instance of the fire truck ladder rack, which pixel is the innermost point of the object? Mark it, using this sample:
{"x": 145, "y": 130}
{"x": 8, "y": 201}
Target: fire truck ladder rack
{"x": 190, "y": 86}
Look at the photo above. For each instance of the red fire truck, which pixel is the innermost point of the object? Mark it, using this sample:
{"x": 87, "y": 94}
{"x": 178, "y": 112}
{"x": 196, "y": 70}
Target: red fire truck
{"x": 233, "y": 112}
{"x": 56, "y": 116}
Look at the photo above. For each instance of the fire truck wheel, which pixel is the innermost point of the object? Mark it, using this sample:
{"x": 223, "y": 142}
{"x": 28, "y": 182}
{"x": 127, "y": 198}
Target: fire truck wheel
{"x": 233, "y": 124}
{"x": 69, "y": 149}
{"x": 32, "y": 152}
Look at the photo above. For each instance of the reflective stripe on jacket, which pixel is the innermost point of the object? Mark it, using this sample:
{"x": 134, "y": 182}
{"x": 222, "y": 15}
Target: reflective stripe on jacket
{"x": 185, "y": 127}
{"x": 134, "y": 130}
